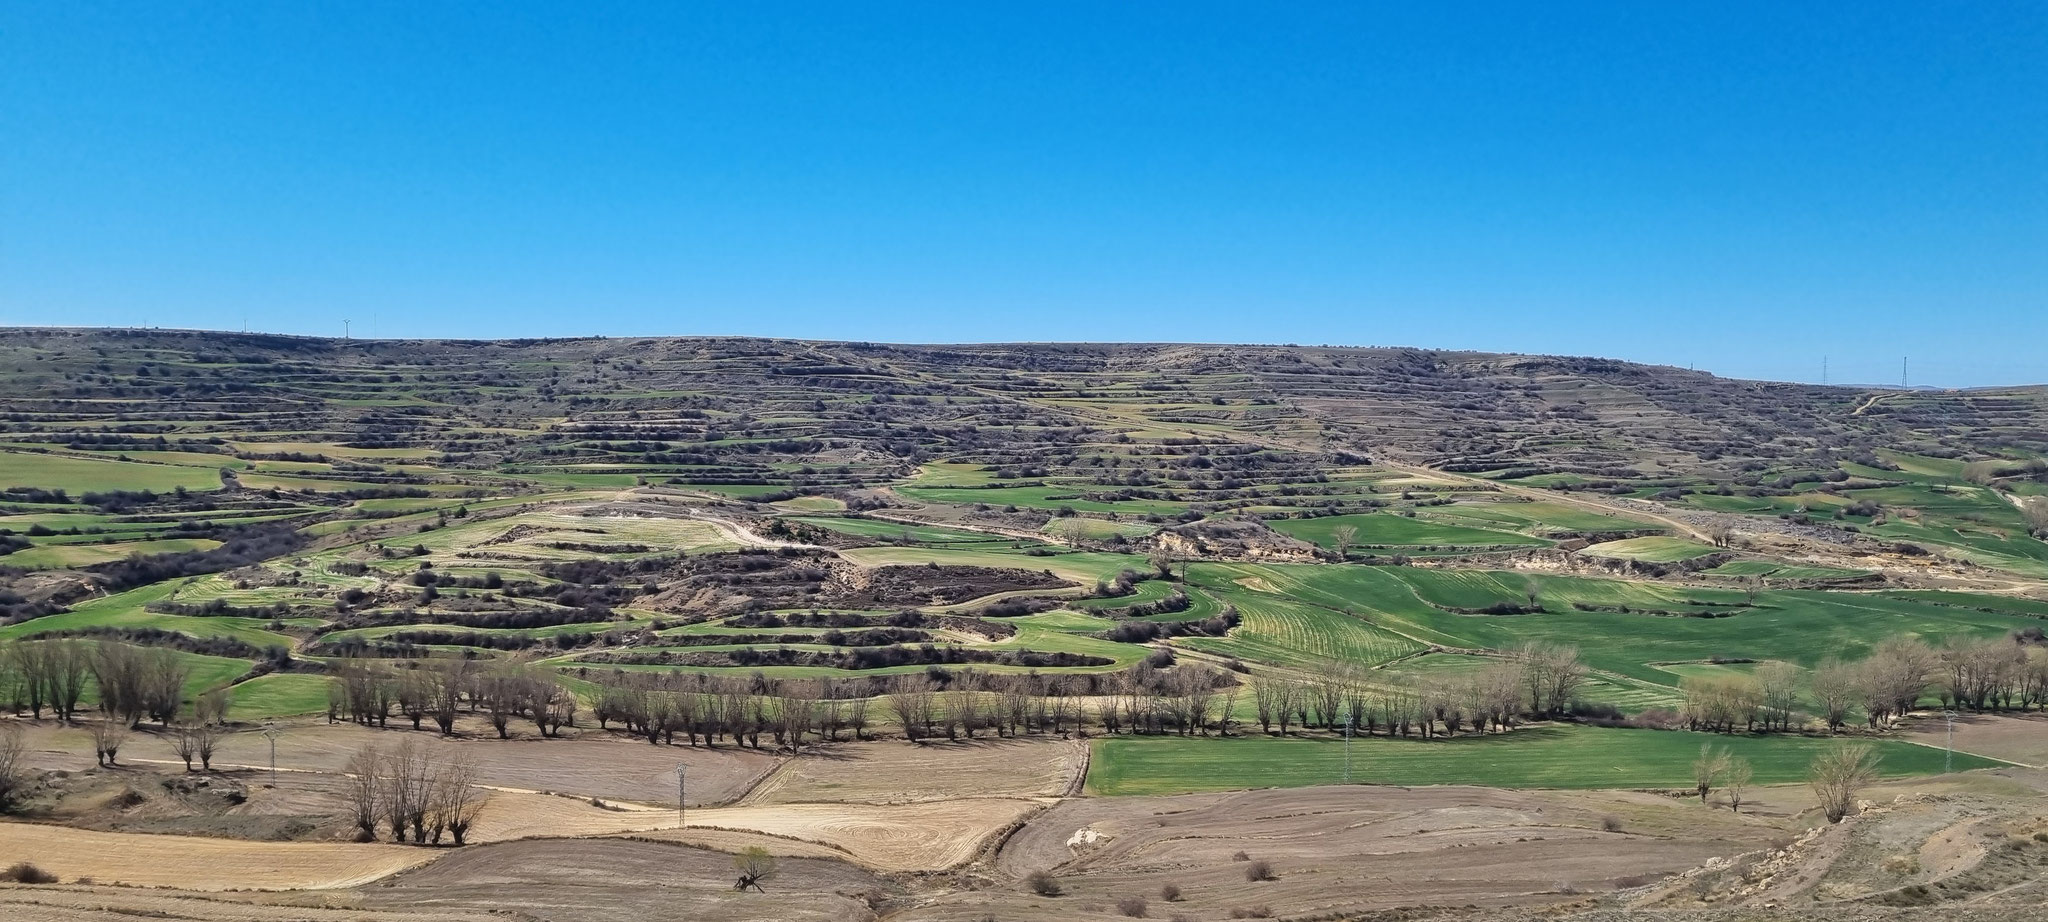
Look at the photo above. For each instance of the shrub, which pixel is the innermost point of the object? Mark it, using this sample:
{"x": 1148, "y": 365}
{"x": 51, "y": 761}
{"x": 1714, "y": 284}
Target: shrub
{"x": 25, "y": 873}
{"x": 1610, "y": 823}
{"x": 1259, "y": 870}
{"x": 1044, "y": 884}
{"x": 1133, "y": 906}
{"x": 1170, "y": 893}
{"x": 1251, "y": 912}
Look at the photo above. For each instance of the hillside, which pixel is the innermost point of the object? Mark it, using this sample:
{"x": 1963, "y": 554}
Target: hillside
{"x": 931, "y": 623}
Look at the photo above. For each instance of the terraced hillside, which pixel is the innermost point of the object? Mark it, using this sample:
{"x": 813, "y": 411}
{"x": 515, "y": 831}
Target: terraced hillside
{"x": 852, "y": 588}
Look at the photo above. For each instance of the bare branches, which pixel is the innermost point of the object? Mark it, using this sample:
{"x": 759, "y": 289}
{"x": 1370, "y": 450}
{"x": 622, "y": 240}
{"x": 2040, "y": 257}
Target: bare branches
{"x": 1839, "y": 774}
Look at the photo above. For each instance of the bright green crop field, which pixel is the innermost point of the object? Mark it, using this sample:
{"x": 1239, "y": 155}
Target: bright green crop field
{"x": 1540, "y": 757}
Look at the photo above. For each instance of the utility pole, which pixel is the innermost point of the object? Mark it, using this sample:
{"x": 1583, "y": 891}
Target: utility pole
{"x": 1347, "y": 748}
{"x": 1823, "y": 370}
{"x": 682, "y": 793}
{"x": 1948, "y": 762}
{"x": 1902, "y": 371}
{"x": 271, "y": 731}
{"x": 344, "y": 329}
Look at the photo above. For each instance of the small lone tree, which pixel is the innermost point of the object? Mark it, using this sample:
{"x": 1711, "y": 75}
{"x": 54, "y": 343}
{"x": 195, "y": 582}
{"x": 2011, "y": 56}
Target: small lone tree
{"x": 185, "y": 742}
{"x": 1735, "y": 781}
{"x": 1708, "y": 768}
{"x": 13, "y": 763}
{"x": 1344, "y": 536}
{"x": 754, "y": 865}
{"x": 1838, "y": 774}
{"x": 107, "y": 737}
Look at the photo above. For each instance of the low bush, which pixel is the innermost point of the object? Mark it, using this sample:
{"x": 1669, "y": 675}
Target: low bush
{"x": 25, "y": 873}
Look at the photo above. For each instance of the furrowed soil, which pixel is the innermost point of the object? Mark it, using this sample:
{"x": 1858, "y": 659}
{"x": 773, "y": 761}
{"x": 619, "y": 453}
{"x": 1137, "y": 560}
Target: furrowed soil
{"x": 1361, "y": 848}
{"x": 926, "y": 836}
{"x": 900, "y": 772}
{"x": 202, "y": 863}
{"x": 617, "y": 880}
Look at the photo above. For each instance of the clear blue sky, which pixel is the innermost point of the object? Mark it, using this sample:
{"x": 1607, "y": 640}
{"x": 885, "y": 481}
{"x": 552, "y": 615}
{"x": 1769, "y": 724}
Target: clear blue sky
{"x": 1745, "y": 187}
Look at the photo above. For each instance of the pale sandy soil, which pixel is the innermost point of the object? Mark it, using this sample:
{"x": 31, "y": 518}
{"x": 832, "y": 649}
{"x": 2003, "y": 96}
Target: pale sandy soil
{"x": 926, "y": 836}
{"x": 199, "y": 863}
{"x": 894, "y": 771}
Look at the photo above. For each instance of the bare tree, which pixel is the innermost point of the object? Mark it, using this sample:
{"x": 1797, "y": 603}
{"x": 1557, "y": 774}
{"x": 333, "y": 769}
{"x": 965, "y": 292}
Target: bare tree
{"x": 457, "y": 800}
{"x": 1838, "y": 774}
{"x": 207, "y": 739}
{"x": 1708, "y": 769}
{"x": 1834, "y": 686}
{"x": 2036, "y": 510}
{"x": 1735, "y": 781}
{"x": 405, "y": 789}
{"x": 754, "y": 865}
{"x": 1344, "y": 536}
{"x": 212, "y": 707}
{"x": 1778, "y": 683}
{"x": 107, "y": 737}
{"x": 1265, "y": 699}
{"x": 13, "y": 763}
{"x": 366, "y": 791}
{"x": 186, "y": 741}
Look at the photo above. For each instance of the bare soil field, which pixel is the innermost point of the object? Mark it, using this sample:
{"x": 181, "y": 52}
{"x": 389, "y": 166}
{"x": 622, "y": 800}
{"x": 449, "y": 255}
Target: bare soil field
{"x": 161, "y": 799}
{"x": 2021, "y": 738}
{"x": 900, "y": 772}
{"x": 111, "y": 904}
{"x": 618, "y": 880}
{"x": 927, "y": 836}
{"x": 1364, "y": 848}
{"x": 202, "y": 863}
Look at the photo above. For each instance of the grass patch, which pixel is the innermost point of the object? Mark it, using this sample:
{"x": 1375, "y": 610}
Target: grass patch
{"x": 1540, "y": 757}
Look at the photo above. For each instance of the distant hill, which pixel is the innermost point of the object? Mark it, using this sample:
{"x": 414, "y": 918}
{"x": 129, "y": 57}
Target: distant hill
{"x": 739, "y": 407}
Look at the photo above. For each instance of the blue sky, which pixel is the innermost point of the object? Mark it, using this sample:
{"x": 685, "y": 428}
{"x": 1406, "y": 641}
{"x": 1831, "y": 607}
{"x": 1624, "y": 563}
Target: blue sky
{"x": 1741, "y": 187}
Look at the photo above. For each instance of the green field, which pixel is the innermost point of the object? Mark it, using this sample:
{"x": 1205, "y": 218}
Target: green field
{"x": 1540, "y": 757}
{"x": 1800, "y": 626}
{"x": 1040, "y": 498}
{"x": 280, "y": 695}
{"x": 1537, "y": 517}
{"x": 1653, "y": 549}
{"x": 85, "y": 555}
{"x": 92, "y": 475}
{"x": 1382, "y": 529}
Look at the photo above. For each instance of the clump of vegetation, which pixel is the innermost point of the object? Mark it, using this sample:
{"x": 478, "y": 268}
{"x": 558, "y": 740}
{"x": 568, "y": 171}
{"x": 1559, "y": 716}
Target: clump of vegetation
{"x": 23, "y": 872}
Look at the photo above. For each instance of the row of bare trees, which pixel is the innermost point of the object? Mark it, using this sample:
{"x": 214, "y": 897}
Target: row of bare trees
{"x": 413, "y": 790}
{"x": 1537, "y": 679}
{"x": 39, "y": 674}
{"x": 371, "y": 693}
{"x": 1975, "y": 673}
